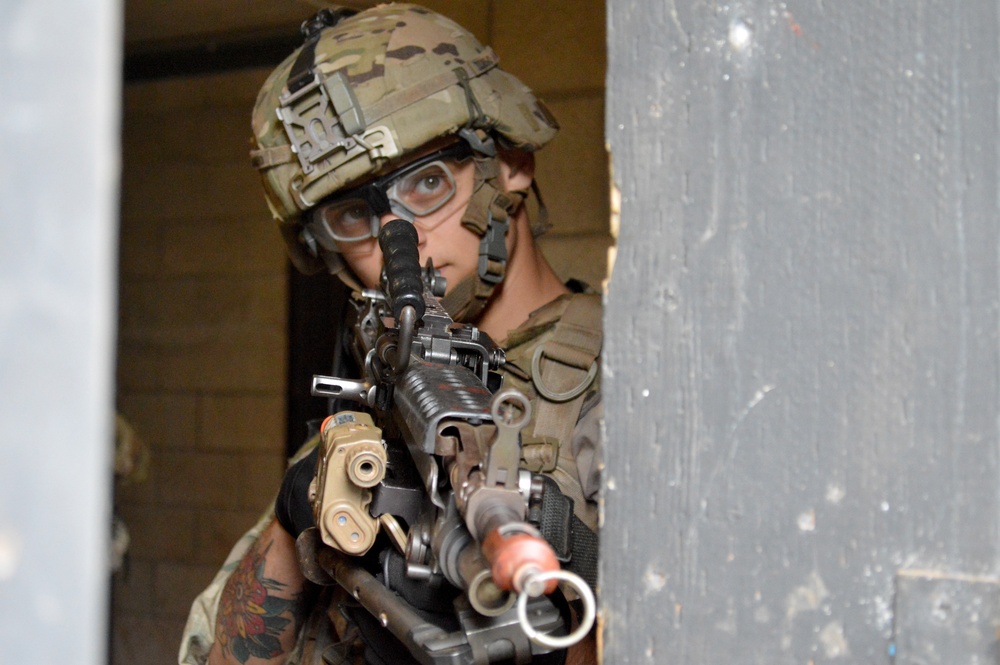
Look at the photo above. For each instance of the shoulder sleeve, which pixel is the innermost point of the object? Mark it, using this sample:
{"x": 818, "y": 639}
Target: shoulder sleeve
{"x": 586, "y": 447}
{"x": 199, "y": 631}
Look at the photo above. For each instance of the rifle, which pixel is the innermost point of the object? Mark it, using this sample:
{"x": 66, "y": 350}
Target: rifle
{"x": 439, "y": 452}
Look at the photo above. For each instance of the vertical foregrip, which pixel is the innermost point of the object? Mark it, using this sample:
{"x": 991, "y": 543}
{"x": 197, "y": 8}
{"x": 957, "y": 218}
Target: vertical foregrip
{"x": 398, "y": 240}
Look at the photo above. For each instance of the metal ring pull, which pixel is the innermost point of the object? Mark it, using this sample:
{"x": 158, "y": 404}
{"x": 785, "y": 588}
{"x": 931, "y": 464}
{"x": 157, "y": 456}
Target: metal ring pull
{"x": 589, "y": 610}
{"x": 552, "y": 396}
{"x": 505, "y": 406}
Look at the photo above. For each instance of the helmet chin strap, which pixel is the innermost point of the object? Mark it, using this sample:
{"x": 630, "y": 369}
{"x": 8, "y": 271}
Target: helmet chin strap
{"x": 466, "y": 301}
{"x": 488, "y": 215}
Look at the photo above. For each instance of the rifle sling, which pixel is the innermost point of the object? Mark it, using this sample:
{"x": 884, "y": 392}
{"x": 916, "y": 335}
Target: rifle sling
{"x": 575, "y": 545}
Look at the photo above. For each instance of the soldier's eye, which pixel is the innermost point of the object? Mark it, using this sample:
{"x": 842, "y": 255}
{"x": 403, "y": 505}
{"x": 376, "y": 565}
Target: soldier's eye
{"x": 348, "y": 220}
{"x": 426, "y": 189}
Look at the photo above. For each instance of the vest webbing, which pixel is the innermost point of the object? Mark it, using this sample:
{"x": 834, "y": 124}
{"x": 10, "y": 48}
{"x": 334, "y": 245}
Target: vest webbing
{"x": 568, "y": 337}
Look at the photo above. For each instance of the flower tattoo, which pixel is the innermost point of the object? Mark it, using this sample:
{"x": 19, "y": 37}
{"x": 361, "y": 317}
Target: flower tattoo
{"x": 250, "y": 619}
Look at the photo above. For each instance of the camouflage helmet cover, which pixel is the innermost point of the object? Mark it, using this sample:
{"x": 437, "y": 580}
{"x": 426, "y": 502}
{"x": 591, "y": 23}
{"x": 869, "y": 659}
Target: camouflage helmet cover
{"x": 370, "y": 90}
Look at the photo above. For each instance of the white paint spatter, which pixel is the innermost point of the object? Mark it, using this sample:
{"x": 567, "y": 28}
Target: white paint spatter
{"x": 833, "y": 641}
{"x": 807, "y": 521}
{"x": 740, "y": 35}
{"x": 653, "y": 581}
{"x": 883, "y": 613}
{"x": 806, "y": 597}
{"x": 835, "y": 494}
{"x": 757, "y": 397}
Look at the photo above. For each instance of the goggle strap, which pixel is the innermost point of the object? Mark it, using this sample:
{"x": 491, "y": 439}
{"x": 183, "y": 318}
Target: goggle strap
{"x": 476, "y": 217}
{"x": 487, "y": 168}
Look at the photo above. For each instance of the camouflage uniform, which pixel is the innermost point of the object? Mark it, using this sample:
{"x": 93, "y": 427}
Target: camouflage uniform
{"x": 576, "y": 467}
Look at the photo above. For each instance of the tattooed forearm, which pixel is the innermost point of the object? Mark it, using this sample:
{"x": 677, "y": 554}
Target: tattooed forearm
{"x": 251, "y": 617}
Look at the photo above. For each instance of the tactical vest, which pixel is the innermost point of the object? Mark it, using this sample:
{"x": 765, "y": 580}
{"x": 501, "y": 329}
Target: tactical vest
{"x": 554, "y": 359}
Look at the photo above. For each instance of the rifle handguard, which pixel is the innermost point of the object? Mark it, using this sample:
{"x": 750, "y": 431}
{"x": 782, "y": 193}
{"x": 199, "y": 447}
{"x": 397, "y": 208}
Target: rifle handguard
{"x": 516, "y": 558}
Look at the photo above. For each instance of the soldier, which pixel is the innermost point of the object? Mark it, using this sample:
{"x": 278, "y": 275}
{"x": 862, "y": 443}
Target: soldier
{"x": 397, "y": 112}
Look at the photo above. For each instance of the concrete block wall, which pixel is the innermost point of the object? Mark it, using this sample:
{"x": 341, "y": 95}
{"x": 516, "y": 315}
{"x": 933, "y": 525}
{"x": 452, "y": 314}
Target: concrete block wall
{"x": 203, "y": 297}
{"x": 201, "y": 353}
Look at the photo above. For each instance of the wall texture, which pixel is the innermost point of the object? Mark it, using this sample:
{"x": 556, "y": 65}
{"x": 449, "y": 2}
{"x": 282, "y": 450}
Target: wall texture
{"x": 202, "y": 346}
{"x": 802, "y": 333}
{"x": 58, "y": 199}
{"x": 201, "y": 356}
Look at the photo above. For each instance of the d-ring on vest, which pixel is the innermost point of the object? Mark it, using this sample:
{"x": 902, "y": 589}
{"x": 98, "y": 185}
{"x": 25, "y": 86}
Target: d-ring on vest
{"x": 571, "y": 354}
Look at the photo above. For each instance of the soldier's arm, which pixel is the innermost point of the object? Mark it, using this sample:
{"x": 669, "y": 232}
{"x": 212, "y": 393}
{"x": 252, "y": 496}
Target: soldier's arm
{"x": 262, "y": 604}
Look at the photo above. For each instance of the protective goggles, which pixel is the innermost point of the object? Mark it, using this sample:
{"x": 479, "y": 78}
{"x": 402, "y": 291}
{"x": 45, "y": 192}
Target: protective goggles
{"x": 415, "y": 190}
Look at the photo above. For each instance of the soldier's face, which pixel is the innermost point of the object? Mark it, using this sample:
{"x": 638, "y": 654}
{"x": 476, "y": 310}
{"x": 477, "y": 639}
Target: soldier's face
{"x": 440, "y": 234}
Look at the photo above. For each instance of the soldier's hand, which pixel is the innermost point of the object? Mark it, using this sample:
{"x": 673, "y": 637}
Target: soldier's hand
{"x": 292, "y": 508}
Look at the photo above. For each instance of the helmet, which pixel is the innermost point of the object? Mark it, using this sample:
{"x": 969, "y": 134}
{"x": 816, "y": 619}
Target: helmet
{"x": 366, "y": 90}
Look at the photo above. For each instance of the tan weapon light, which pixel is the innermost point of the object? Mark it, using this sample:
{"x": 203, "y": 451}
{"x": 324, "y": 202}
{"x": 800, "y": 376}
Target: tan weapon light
{"x": 352, "y": 460}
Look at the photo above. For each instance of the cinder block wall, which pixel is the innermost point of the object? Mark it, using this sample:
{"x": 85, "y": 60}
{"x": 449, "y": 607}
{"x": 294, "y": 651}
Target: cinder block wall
{"x": 202, "y": 340}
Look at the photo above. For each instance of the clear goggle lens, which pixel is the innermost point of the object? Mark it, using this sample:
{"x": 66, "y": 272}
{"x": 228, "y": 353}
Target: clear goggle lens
{"x": 415, "y": 191}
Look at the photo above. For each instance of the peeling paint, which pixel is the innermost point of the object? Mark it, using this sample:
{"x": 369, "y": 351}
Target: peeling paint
{"x": 807, "y": 521}
{"x": 616, "y": 205}
{"x": 653, "y": 581}
{"x": 614, "y": 221}
{"x": 757, "y": 397}
{"x": 883, "y": 613}
{"x": 806, "y": 597}
{"x": 833, "y": 641}
{"x": 835, "y": 494}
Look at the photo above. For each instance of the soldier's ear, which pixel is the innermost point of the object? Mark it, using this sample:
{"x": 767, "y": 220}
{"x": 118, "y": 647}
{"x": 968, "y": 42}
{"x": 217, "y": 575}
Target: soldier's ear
{"x": 517, "y": 169}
